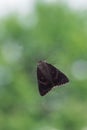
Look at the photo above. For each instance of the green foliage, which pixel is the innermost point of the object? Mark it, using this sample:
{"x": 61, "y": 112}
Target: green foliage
{"x": 59, "y": 37}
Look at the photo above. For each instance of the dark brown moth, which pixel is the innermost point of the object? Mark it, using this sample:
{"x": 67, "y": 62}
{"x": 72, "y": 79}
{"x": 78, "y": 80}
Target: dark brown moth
{"x": 49, "y": 76}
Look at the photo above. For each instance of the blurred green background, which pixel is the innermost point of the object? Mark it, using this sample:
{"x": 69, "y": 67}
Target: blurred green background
{"x": 54, "y": 33}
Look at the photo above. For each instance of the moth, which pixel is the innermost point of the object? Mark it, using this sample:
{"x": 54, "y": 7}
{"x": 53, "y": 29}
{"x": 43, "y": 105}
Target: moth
{"x": 48, "y": 77}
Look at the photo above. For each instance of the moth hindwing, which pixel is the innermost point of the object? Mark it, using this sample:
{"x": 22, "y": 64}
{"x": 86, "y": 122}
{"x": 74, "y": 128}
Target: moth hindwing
{"x": 49, "y": 76}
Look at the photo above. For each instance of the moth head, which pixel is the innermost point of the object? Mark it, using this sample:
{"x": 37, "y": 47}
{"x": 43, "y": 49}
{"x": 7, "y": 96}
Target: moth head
{"x": 41, "y": 62}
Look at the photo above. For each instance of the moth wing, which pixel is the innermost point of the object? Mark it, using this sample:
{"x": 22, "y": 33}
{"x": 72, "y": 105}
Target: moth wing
{"x": 44, "y": 84}
{"x": 58, "y": 77}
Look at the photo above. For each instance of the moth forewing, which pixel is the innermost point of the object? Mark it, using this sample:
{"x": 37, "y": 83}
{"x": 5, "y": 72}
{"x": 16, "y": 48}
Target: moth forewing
{"x": 49, "y": 76}
{"x": 44, "y": 68}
